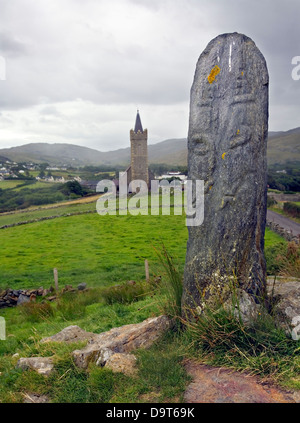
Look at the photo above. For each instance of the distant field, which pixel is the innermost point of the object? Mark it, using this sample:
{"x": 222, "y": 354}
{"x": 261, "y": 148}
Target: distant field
{"x": 23, "y": 216}
{"x": 9, "y": 184}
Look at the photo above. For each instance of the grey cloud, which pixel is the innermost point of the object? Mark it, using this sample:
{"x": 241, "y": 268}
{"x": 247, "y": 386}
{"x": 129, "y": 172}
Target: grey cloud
{"x": 58, "y": 52}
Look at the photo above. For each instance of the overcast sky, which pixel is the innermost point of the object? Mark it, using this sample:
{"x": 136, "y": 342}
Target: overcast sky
{"x": 77, "y": 70}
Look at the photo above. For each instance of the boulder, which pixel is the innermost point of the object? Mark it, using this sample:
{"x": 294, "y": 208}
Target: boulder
{"x": 82, "y": 286}
{"x": 42, "y": 365}
{"x": 123, "y": 339}
{"x": 70, "y": 334}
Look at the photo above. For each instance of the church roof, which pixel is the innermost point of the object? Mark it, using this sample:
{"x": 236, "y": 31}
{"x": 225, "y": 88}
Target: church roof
{"x": 138, "y": 123}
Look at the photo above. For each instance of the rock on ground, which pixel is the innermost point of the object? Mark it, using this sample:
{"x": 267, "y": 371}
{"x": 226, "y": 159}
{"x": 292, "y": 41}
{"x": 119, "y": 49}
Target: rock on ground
{"x": 219, "y": 385}
{"x": 42, "y": 365}
{"x": 123, "y": 339}
{"x": 70, "y": 334}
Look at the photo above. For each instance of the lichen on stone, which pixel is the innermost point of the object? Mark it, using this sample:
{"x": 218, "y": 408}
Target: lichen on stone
{"x": 213, "y": 73}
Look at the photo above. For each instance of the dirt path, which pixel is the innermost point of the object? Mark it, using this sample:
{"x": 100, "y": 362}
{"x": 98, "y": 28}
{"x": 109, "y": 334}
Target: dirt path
{"x": 284, "y": 222}
{"x": 219, "y": 385}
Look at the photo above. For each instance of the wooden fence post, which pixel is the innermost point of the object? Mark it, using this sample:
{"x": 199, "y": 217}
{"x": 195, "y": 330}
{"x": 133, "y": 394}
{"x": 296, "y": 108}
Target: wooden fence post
{"x": 55, "y": 279}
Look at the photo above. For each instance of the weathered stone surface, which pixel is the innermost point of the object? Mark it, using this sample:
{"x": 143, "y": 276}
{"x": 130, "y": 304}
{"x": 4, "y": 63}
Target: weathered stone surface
{"x": 70, "y": 334}
{"x": 122, "y": 340}
{"x": 218, "y": 385}
{"x": 285, "y": 295}
{"x": 123, "y": 363}
{"x": 227, "y": 149}
{"x": 42, "y": 365}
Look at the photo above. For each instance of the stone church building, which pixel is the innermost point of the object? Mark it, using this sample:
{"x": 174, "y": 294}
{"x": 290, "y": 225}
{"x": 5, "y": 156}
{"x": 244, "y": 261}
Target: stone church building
{"x": 138, "y": 169}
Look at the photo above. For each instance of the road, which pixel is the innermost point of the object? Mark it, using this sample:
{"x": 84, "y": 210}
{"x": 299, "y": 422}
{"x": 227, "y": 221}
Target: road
{"x": 284, "y": 222}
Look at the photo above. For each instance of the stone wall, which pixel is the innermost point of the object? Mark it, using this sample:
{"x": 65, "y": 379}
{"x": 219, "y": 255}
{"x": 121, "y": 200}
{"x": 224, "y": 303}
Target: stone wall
{"x": 282, "y": 232}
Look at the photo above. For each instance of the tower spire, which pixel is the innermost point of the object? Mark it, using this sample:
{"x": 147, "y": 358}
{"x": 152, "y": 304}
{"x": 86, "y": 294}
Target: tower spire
{"x": 138, "y": 123}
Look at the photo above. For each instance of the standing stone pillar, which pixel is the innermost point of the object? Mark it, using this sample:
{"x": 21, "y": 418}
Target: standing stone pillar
{"x": 227, "y": 143}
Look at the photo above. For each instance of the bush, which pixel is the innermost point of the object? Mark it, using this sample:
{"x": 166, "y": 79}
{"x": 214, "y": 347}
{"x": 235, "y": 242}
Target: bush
{"x": 271, "y": 201}
{"x": 292, "y": 209}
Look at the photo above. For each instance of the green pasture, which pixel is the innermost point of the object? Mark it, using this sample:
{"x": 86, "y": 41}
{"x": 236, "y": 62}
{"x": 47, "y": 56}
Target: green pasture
{"x": 10, "y": 184}
{"x": 98, "y": 250}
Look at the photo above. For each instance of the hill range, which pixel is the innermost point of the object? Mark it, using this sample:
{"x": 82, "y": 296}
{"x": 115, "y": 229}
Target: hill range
{"x": 283, "y": 147}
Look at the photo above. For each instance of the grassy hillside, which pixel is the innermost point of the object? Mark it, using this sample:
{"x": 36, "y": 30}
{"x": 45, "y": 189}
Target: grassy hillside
{"x": 284, "y": 147}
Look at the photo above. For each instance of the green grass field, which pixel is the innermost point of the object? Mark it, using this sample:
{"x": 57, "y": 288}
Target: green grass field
{"x": 10, "y": 184}
{"x": 99, "y": 250}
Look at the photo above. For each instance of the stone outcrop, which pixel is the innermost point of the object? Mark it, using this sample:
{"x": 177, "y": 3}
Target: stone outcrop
{"x": 227, "y": 143}
{"x": 111, "y": 348}
{"x": 122, "y": 340}
{"x": 42, "y": 365}
{"x": 70, "y": 334}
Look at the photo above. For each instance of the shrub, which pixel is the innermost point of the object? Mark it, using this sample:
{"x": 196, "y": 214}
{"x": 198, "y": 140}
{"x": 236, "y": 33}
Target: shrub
{"x": 292, "y": 209}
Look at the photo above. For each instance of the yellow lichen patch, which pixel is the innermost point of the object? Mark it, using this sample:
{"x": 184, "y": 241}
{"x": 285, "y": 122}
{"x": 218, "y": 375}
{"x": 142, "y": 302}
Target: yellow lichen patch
{"x": 214, "y": 72}
{"x": 223, "y": 155}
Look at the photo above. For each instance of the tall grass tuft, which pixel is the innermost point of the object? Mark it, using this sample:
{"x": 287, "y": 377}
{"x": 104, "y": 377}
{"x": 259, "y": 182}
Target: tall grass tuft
{"x": 221, "y": 339}
{"x": 289, "y": 260}
{"x": 36, "y": 312}
{"x": 125, "y": 293}
{"x": 171, "y": 286}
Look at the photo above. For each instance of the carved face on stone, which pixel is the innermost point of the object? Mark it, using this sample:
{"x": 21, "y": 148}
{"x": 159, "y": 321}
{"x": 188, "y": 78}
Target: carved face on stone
{"x": 224, "y": 116}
